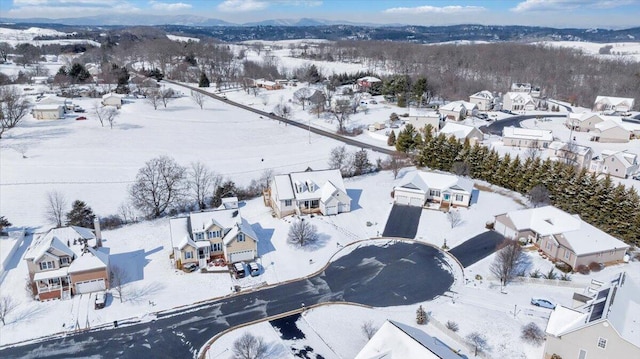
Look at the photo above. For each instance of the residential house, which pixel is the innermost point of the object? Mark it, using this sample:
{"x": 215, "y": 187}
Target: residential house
{"x": 268, "y": 85}
{"x": 67, "y": 261}
{"x": 526, "y": 137}
{"x": 483, "y": 99}
{"x": 561, "y": 236}
{"x": 606, "y": 325}
{"x": 583, "y": 122}
{"x": 419, "y": 187}
{"x": 207, "y": 235}
{"x": 608, "y": 103}
{"x": 610, "y": 131}
{"x": 398, "y": 340}
{"x": 518, "y": 101}
{"x": 621, "y": 164}
{"x": 365, "y": 84}
{"x": 112, "y": 99}
{"x": 48, "y": 111}
{"x": 310, "y": 191}
{"x": 458, "y": 110}
{"x": 570, "y": 153}
{"x": 524, "y": 87}
{"x": 424, "y": 119}
{"x": 462, "y": 132}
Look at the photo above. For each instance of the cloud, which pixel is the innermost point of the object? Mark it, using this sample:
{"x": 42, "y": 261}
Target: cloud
{"x": 433, "y": 9}
{"x": 169, "y": 6}
{"x": 557, "y": 5}
{"x": 242, "y": 5}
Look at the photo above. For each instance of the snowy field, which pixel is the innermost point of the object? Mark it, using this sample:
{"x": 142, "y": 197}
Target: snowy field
{"x": 619, "y": 50}
{"x": 19, "y": 36}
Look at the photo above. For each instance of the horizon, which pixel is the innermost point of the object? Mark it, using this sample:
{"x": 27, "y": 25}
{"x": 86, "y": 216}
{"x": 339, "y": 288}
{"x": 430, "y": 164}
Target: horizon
{"x": 542, "y": 13}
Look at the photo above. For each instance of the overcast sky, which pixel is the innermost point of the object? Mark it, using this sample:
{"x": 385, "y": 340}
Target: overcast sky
{"x": 554, "y": 13}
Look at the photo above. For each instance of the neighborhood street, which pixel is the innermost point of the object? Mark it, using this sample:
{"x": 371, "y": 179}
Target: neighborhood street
{"x": 496, "y": 127}
{"x": 373, "y": 275}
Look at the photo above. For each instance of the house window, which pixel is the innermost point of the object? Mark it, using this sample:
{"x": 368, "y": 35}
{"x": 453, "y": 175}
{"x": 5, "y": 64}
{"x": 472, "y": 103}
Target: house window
{"x": 54, "y": 281}
{"x": 188, "y": 255}
{"x": 582, "y": 354}
{"x": 46, "y": 265}
{"x": 216, "y": 247}
{"x": 567, "y": 254}
{"x": 214, "y": 234}
{"x": 459, "y": 198}
{"x": 548, "y": 246}
{"x": 315, "y": 203}
{"x": 434, "y": 193}
{"x": 287, "y": 202}
{"x": 240, "y": 237}
{"x": 602, "y": 343}
{"x": 199, "y": 235}
{"x": 65, "y": 260}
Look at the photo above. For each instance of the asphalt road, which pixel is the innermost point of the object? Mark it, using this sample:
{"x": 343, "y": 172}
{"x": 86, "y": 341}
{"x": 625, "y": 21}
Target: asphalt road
{"x": 403, "y": 221}
{"x": 496, "y": 127}
{"x": 396, "y": 274}
{"x": 477, "y": 248}
{"x": 306, "y": 127}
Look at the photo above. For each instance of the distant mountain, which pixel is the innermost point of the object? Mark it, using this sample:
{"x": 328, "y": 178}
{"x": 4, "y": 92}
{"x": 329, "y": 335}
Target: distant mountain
{"x": 125, "y": 20}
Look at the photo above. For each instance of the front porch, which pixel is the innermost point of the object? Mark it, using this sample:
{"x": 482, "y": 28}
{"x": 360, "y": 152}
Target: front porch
{"x": 54, "y": 284}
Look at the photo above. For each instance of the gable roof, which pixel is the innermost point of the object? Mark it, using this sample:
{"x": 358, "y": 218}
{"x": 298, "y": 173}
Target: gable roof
{"x": 458, "y": 130}
{"x": 90, "y": 260}
{"x": 563, "y": 146}
{"x": 615, "y": 101}
{"x": 483, "y": 95}
{"x": 527, "y": 133}
{"x": 425, "y": 181}
{"x": 57, "y": 238}
{"x": 242, "y": 226}
{"x": 317, "y": 179}
{"x": 229, "y": 220}
{"x": 607, "y": 125}
{"x": 456, "y": 106}
{"x": 627, "y": 159}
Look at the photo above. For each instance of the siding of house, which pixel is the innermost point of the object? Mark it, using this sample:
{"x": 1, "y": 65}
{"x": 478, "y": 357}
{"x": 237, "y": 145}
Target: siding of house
{"x": 90, "y": 275}
{"x": 589, "y": 124}
{"x": 194, "y": 257}
{"x": 453, "y": 115}
{"x": 56, "y": 294}
{"x": 602, "y": 257}
{"x": 518, "y": 142}
{"x": 615, "y": 168}
{"x": 569, "y": 345}
{"x": 615, "y": 134}
{"x": 246, "y": 245}
{"x": 40, "y": 114}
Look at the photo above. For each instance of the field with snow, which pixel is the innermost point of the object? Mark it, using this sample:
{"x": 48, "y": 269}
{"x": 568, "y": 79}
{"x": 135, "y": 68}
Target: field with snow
{"x": 18, "y": 36}
{"x": 619, "y": 50}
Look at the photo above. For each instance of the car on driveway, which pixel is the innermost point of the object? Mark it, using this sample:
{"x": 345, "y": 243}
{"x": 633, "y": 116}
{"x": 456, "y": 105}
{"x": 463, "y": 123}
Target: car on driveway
{"x": 190, "y": 267}
{"x": 101, "y": 300}
{"x": 542, "y": 303}
{"x": 80, "y": 118}
{"x": 636, "y": 177}
{"x": 238, "y": 270}
{"x": 254, "y": 269}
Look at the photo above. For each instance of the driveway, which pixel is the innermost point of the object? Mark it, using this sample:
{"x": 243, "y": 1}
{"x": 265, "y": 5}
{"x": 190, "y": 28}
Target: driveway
{"x": 373, "y": 275}
{"x": 403, "y": 221}
{"x": 496, "y": 127}
{"x": 477, "y": 248}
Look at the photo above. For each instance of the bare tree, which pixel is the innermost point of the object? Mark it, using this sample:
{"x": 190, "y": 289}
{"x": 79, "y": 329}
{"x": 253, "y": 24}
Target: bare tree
{"x": 105, "y": 114}
{"x": 452, "y": 326}
{"x": 461, "y": 168}
{"x": 532, "y": 334}
{"x": 5, "y": 49}
{"x": 200, "y": 182}
{"x": 265, "y": 177}
{"x": 153, "y": 98}
{"x": 302, "y": 232}
{"x": 158, "y": 186}
{"x": 509, "y": 259}
{"x": 532, "y": 152}
{"x": 283, "y": 110}
{"x": 6, "y": 307}
{"x": 166, "y": 95}
{"x": 569, "y": 154}
{"x": 21, "y": 148}
{"x": 56, "y": 207}
{"x": 249, "y": 346}
{"x": 368, "y": 329}
{"x": 13, "y": 108}
{"x": 198, "y": 98}
{"x": 338, "y": 159}
{"x": 478, "y": 341}
{"x": 454, "y": 218}
{"x": 118, "y": 276}
{"x": 127, "y": 212}
{"x": 342, "y": 112}
{"x": 539, "y": 196}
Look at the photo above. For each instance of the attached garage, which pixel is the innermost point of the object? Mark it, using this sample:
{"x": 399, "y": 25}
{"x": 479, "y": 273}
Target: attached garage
{"x": 241, "y": 256}
{"x": 414, "y": 201}
{"x": 503, "y": 229}
{"x": 402, "y": 199}
{"x": 89, "y": 286}
{"x": 409, "y": 196}
{"x": 329, "y": 210}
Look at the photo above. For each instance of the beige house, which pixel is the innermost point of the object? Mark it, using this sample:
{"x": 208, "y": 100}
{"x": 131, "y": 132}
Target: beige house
{"x": 306, "y": 192}
{"x": 605, "y": 325}
{"x": 518, "y": 101}
{"x": 583, "y": 122}
{"x": 609, "y": 103}
{"x": 204, "y": 236}
{"x": 458, "y": 110}
{"x": 621, "y": 164}
{"x": 419, "y": 187}
{"x": 462, "y": 132}
{"x": 48, "y": 112}
{"x": 610, "y": 131}
{"x": 526, "y": 137}
{"x": 112, "y": 99}
{"x": 561, "y": 236}
{"x": 570, "y": 153}
{"x": 67, "y": 261}
{"x": 483, "y": 99}
{"x": 421, "y": 121}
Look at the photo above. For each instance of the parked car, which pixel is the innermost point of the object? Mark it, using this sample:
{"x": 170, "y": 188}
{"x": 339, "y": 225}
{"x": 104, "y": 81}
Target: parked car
{"x": 101, "y": 300}
{"x": 542, "y": 303}
{"x": 373, "y": 102}
{"x": 636, "y": 177}
{"x": 254, "y": 269}
{"x": 238, "y": 270}
{"x": 80, "y": 118}
{"x": 190, "y": 267}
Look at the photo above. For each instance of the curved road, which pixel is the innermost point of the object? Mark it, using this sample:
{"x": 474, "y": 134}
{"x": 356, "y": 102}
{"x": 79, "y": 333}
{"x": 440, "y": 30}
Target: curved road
{"x": 346, "y": 140}
{"x": 496, "y": 127}
{"x": 397, "y": 273}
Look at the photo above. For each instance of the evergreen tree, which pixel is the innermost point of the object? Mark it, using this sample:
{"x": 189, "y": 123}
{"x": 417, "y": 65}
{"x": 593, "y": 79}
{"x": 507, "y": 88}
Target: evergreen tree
{"x": 4, "y": 223}
{"x": 408, "y": 139}
{"x": 391, "y": 140}
{"x": 361, "y": 163}
{"x": 81, "y": 215}
{"x": 204, "y": 80}
{"x": 78, "y": 73}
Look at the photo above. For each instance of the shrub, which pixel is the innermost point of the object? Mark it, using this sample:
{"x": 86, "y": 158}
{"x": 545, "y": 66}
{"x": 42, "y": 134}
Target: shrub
{"x": 563, "y": 267}
{"x": 583, "y": 269}
{"x": 551, "y": 274}
{"x": 421, "y": 316}
{"x": 565, "y": 277}
{"x": 478, "y": 277}
{"x": 556, "y": 356}
{"x": 595, "y": 267}
{"x": 535, "y": 274}
{"x": 111, "y": 222}
{"x": 452, "y": 326}
{"x": 532, "y": 334}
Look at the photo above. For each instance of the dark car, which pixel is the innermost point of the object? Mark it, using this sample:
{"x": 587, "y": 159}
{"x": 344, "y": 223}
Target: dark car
{"x": 238, "y": 269}
{"x": 81, "y": 118}
{"x": 636, "y": 177}
{"x": 190, "y": 267}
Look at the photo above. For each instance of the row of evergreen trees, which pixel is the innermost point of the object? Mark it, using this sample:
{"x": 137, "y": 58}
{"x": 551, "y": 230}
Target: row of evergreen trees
{"x": 614, "y": 209}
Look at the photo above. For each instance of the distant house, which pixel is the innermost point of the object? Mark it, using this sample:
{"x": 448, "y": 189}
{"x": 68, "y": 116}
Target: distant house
{"x": 610, "y": 131}
{"x": 462, "y": 132}
{"x": 604, "y": 326}
{"x": 67, "y": 261}
{"x": 561, "y": 236}
{"x": 268, "y": 85}
{"x": 458, "y": 110}
{"x": 421, "y": 121}
{"x": 518, "y": 101}
{"x": 583, "y": 122}
{"x": 526, "y": 137}
{"x": 621, "y": 164}
{"x": 397, "y": 340}
{"x": 483, "y": 99}
{"x": 419, "y": 187}
{"x": 570, "y": 153}
{"x": 609, "y": 103}
{"x": 204, "y": 236}
{"x": 525, "y": 87}
{"x": 48, "y": 112}
{"x": 112, "y": 99}
{"x": 366, "y": 83}
{"x": 320, "y": 192}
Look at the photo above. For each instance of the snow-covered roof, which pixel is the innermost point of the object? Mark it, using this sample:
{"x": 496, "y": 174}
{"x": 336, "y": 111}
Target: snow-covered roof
{"x": 179, "y": 228}
{"x": 627, "y": 159}
{"x": 527, "y": 133}
{"x": 309, "y": 184}
{"x": 456, "y": 106}
{"x": 397, "y": 340}
{"x": 111, "y": 94}
{"x": 458, "y": 130}
{"x": 47, "y": 107}
{"x": 615, "y": 101}
{"x": 229, "y": 220}
{"x": 430, "y": 180}
{"x": 581, "y": 117}
{"x": 483, "y": 95}
{"x": 90, "y": 260}
{"x": 57, "y": 238}
{"x": 229, "y": 203}
{"x": 51, "y": 274}
{"x": 523, "y": 95}
{"x": 581, "y": 237}
{"x": 616, "y": 302}
{"x": 224, "y": 218}
{"x": 563, "y": 146}
{"x": 283, "y": 187}
{"x": 521, "y": 86}
{"x": 242, "y": 226}
{"x": 369, "y": 79}
{"x": 607, "y": 125}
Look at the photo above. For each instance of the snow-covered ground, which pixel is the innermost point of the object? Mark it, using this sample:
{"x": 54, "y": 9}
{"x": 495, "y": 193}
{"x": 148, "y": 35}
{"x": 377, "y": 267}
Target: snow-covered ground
{"x": 619, "y": 50}
{"x": 21, "y": 36}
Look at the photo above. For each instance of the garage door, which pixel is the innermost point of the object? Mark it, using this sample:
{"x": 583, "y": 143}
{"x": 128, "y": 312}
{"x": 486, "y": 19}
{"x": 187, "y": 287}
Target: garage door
{"x": 504, "y": 230}
{"x": 241, "y": 256}
{"x": 332, "y": 210}
{"x": 402, "y": 200}
{"x": 89, "y": 286}
{"x": 415, "y": 202}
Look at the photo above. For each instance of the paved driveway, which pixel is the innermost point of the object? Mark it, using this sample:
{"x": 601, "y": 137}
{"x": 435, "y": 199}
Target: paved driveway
{"x": 403, "y": 221}
{"x": 477, "y": 248}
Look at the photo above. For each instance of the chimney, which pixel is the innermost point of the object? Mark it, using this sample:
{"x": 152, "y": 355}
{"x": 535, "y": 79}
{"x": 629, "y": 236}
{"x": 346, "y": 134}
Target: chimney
{"x": 96, "y": 229}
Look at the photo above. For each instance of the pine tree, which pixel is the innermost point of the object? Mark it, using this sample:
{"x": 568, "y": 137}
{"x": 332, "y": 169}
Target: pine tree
{"x": 204, "y": 80}
{"x": 421, "y": 316}
{"x": 391, "y": 140}
{"x": 4, "y": 223}
{"x": 81, "y": 215}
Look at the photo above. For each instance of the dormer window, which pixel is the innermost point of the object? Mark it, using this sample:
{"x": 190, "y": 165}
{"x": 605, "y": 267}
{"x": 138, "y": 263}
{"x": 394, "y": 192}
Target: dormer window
{"x": 310, "y": 186}
{"x": 299, "y": 187}
{"x": 199, "y": 236}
